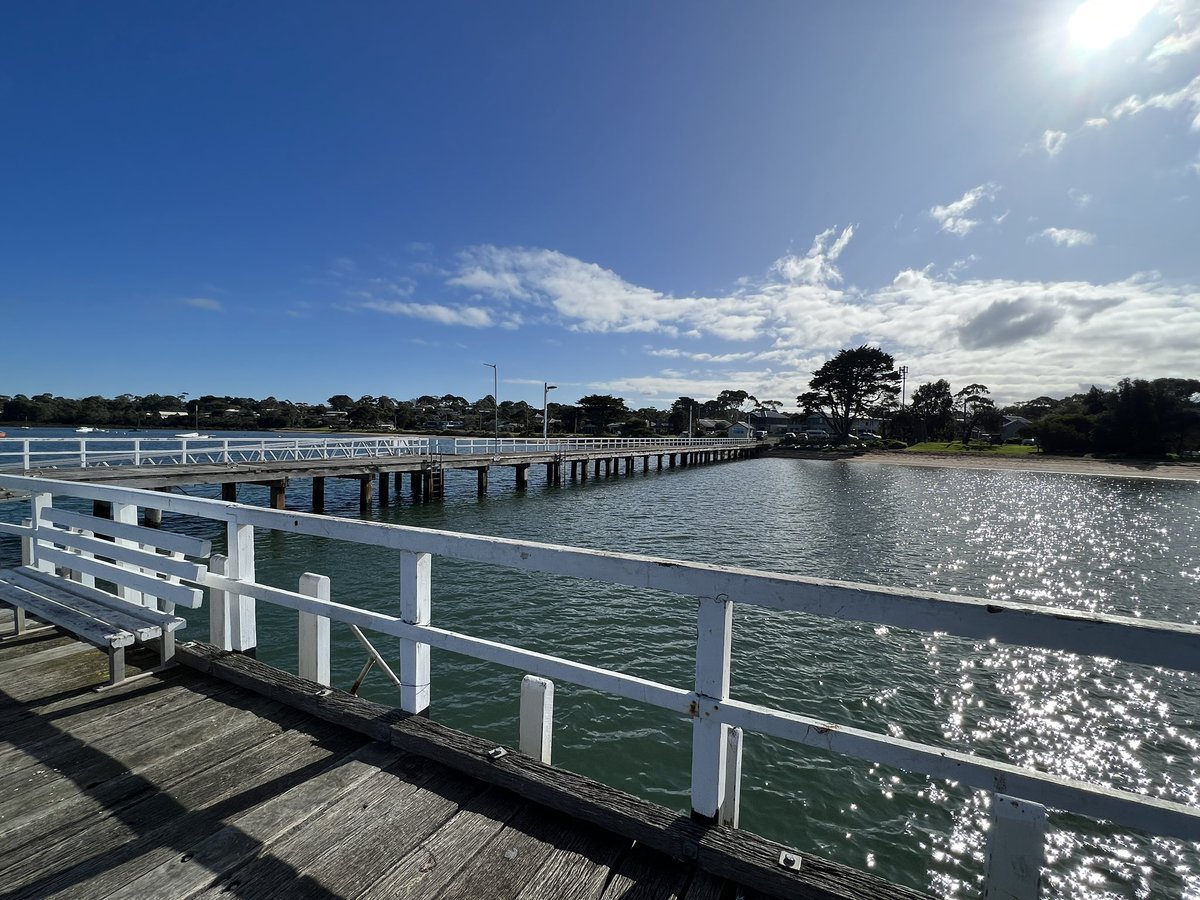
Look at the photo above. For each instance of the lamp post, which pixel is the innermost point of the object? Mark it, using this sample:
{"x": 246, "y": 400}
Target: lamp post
{"x": 546, "y": 389}
{"x": 496, "y": 399}
{"x": 903, "y": 370}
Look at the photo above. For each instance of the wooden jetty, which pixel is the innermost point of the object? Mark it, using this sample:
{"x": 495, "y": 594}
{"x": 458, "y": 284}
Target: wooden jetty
{"x": 225, "y": 777}
{"x": 576, "y": 460}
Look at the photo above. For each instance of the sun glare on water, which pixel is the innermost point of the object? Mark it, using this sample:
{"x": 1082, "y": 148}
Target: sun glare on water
{"x": 1097, "y": 23}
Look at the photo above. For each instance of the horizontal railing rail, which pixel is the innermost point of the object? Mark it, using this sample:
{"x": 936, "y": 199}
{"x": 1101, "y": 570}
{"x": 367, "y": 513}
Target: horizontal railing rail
{"x": 718, "y": 718}
{"x": 29, "y": 454}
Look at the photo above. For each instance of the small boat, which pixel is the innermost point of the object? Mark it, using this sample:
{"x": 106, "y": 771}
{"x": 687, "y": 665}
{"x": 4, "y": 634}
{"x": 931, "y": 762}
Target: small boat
{"x": 194, "y": 434}
{"x": 84, "y": 429}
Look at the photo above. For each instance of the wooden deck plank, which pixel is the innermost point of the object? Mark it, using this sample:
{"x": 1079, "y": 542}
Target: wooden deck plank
{"x": 116, "y": 849}
{"x": 395, "y": 812}
{"x": 55, "y": 651}
{"x": 646, "y": 874}
{"x": 709, "y": 887}
{"x": 81, "y": 699}
{"x": 71, "y": 805}
{"x": 84, "y": 779}
{"x": 46, "y": 679}
{"x": 29, "y": 744}
{"x": 246, "y": 833}
{"x": 513, "y": 858}
{"x": 12, "y": 646}
{"x": 433, "y": 864}
{"x": 579, "y": 866}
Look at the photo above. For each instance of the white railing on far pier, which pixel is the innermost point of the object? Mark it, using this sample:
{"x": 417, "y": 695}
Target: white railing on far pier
{"x": 1020, "y": 795}
{"x": 36, "y": 454}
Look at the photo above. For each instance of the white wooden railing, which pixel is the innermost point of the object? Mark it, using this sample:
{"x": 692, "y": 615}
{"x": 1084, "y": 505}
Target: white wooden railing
{"x": 29, "y": 454}
{"x": 1020, "y": 794}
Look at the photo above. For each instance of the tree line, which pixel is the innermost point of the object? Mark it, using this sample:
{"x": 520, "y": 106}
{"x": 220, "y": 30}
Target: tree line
{"x": 448, "y": 413}
{"x": 1138, "y": 417}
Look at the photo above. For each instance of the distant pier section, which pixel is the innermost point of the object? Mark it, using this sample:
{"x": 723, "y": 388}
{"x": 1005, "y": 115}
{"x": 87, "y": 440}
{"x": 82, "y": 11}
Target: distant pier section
{"x": 162, "y": 464}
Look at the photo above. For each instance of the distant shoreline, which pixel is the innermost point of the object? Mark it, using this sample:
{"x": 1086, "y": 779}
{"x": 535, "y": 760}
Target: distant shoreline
{"x": 1059, "y": 465}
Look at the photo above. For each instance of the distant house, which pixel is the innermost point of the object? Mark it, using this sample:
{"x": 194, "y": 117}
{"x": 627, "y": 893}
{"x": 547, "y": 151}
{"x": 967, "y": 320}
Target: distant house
{"x": 1012, "y": 427}
{"x": 711, "y": 425}
{"x": 771, "y": 422}
{"x": 741, "y": 431}
{"x": 170, "y": 414}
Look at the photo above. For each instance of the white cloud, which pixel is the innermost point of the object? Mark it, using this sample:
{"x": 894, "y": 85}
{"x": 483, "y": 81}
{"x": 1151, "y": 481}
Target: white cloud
{"x": 816, "y": 266}
{"x": 470, "y": 316}
{"x": 1186, "y": 96}
{"x": 1079, "y": 198}
{"x": 1065, "y": 237}
{"x": 205, "y": 303}
{"x": 1174, "y": 45}
{"x": 952, "y": 218}
{"x": 1053, "y": 141}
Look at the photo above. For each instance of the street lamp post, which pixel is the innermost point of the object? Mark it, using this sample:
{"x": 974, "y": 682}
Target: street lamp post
{"x": 546, "y": 389}
{"x": 496, "y": 399}
{"x": 903, "y": 370}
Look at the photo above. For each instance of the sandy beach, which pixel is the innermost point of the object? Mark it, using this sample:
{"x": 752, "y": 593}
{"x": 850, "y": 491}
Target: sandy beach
{"x": 1062, "y": 465}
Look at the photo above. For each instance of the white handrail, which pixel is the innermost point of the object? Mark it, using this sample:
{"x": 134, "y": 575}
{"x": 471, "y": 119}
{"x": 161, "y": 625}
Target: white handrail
{"x": 719, "y": 588}
{"x": 28, "y": 454}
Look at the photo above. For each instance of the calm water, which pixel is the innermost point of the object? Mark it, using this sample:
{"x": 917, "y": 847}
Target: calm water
{"x": 1112, "y": 545}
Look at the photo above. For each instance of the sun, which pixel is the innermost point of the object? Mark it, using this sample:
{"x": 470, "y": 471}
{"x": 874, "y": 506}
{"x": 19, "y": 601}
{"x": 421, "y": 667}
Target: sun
{"x": 1097, "y": 23}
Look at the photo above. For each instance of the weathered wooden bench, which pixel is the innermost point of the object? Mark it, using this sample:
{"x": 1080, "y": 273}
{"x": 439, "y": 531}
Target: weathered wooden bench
{"x": 111, "y": 584}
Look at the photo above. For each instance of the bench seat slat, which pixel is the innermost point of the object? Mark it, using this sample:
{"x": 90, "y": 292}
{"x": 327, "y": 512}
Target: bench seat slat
{"x": 163, "y": 540}
{"x": 174, "y": 593}
{"x": 180, "y": 568}
{"x": 141, "y": 620}
{"x": 95, "y": 633}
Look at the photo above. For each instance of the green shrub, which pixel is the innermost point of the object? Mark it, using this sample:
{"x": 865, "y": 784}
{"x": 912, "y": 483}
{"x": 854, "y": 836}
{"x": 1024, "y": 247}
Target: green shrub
{"x": 897, "y": 445}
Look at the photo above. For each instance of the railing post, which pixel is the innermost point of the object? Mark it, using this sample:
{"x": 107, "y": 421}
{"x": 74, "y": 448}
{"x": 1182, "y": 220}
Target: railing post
{"x": 1015, "y": 849}
{"x": 137, "y": 451}
{"x": 314, "y": 631}
{"x": 225, "y": 450}
{"x": 83, "y": 453}
{"x": 714, "y": 640}
{"x": 415, "y": 569}
{"x": 731, "y": 807}
{"x": 241, "y": 567}
{"x": 29, "y": 545}
{"x": 537, "y": 717}
{"x": 219, "y": 620}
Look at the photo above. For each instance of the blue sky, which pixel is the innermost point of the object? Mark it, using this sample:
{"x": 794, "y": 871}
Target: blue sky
{"x": 648, "y": 200}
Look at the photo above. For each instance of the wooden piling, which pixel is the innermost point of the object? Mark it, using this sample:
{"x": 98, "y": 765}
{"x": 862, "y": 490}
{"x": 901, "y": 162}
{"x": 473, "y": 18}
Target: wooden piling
{"x": 318, "y": 494}
{"x": 383, "y": 488}
{"x": 364, "y": 492}
{"x": 645, "y": 464}
{"x": 416, "y": 482}
{"x": 481, "y": 481}
{"x": 279, "y": 494}
{"x": 522, "y": 477}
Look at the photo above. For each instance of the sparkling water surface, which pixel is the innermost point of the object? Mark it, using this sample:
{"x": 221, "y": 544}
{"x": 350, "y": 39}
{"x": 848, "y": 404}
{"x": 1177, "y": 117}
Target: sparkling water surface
{"x": 1111, "y": 545}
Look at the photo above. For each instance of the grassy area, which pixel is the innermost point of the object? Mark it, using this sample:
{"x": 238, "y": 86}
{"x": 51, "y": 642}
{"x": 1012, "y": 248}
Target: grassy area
{"x": 975, "y": 449}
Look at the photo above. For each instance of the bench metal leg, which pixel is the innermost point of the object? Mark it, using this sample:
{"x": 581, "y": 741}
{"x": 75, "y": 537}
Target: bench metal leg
{"x": 166, "y": 650}
{"x": 116, "y": 666}
{"x": 22, "y": 628}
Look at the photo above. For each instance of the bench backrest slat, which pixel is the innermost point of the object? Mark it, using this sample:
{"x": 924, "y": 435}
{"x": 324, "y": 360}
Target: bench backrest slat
{"x": 156, "y": 587}
{"x": 153, "y": 537}
{"x": 156, "y": 562}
